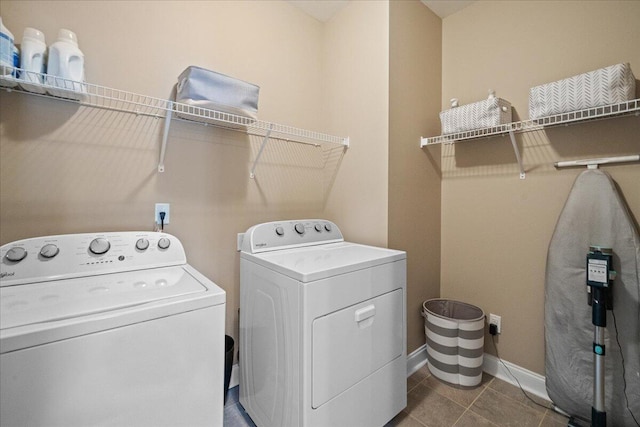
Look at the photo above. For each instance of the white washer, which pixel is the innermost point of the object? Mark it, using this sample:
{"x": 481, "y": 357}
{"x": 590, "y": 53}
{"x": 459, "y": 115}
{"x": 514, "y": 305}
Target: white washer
{"x": 322, "y": 328}
{"x": 111, "y": 329}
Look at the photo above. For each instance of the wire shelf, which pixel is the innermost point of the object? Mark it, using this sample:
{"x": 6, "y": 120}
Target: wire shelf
{"x": 594, "y": 113}
{"x": 114, "y": 99}
{"x": 253, "y": 126}
{"x": 82, "y": 93}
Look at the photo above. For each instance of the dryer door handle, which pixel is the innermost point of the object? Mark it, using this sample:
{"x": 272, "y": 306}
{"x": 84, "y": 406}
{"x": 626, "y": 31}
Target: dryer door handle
{"x": 365, "y": 313}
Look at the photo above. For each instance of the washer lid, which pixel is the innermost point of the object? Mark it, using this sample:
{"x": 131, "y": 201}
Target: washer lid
{"x": 307, "y": 264}
{"x": 43, "y": 303}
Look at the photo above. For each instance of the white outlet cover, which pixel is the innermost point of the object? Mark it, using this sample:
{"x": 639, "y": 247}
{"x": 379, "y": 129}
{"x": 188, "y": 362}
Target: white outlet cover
{"x": 496, "y": 320}
{"x": 162, "y": 207}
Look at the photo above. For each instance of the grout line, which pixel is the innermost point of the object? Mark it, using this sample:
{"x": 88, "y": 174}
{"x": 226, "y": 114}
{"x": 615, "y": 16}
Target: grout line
{"x": 478, "y": 415}
{"x": 531, "y": 410}
{"x": 480, "y": 394}
{"x": 416, "y": 419}
{"x": 461, "y": 415}
{"x": 545, "y": 416}
{"x": 519, "y": 402}
{"x": 484, "y": 388}
{"x": 511, "y": 398}
{"x": 469, "y": 408}
{"x": 419, "y": 382}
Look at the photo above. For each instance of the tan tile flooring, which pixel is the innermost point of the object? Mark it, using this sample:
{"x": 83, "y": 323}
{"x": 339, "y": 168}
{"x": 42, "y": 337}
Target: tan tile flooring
{"x": 433, "y": 403}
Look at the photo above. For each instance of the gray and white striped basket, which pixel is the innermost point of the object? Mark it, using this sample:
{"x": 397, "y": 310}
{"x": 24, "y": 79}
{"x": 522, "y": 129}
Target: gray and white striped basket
{"x": 482, "y": 114}
{"x": 605, "y": 86}
{"x": 455, "y": 341}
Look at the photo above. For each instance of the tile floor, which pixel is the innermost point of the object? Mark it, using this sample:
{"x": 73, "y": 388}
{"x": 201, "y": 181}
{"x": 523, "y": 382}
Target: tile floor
{"x": 432, "y": 403}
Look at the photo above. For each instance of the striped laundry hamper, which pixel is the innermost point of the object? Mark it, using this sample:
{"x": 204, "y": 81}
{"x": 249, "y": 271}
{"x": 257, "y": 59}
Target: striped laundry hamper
{"x": 455, "y": 341}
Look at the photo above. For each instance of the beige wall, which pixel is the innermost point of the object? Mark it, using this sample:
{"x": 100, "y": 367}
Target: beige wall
{"x": 496, "y": 227}
{"x": 356, "y": 85}
{"x": 68, "y": 169}
{"x": 372, "y": 73}
{"x": 415, "y": 63}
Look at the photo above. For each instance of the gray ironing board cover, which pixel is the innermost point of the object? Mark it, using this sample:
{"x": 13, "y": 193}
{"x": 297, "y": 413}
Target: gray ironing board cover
{"x": 594, "y": 214}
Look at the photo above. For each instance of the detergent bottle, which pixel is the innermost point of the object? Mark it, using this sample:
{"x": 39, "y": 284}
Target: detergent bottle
{"x": 8, "y": 51}
{"x": 32, "y": 60}
{"x": 65, "y": 66}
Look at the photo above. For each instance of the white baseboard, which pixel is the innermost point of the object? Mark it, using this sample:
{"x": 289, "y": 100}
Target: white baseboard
{"x": 530, "y": 381}
{"x": 416, "y": 360}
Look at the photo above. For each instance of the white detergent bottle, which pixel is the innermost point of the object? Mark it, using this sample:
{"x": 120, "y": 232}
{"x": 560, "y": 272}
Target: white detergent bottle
{"x": 32, "y": 60}
{"x": 7, "y": 55}
{"x": 65, "y": 67}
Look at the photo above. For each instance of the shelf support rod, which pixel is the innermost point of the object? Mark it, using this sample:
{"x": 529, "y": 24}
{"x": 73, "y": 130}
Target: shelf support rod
{"x": 252, "y": 175}
{"x": 512, "y": 136}
{"x": 595, "y": 162}
{"x": 165, "y": 135}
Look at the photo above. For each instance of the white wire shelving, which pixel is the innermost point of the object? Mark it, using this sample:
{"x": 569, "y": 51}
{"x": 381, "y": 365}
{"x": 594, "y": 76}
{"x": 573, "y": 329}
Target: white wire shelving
{"x": 92, "y": 95}
{"x": 595, "y": 113}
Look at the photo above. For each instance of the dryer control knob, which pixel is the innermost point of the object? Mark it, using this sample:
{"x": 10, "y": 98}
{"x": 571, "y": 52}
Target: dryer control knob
{"x": 299, "y": 228}
{"x": 16, "y": 254}
{"x": 327, "y": 227}
{"x": 49, "y": 250}
{"x": 142, "y": 244}
{"x": 99, "y": 246}
{"x": 164, "y": 243}
{"x": 280, "y": 231}
{"x": 318, "y": 228}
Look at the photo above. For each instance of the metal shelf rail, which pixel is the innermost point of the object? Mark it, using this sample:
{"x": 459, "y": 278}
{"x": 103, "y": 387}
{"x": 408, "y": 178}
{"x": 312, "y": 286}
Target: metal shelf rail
{"x": 589, "y": 114}
{"x": 92, "y": 95}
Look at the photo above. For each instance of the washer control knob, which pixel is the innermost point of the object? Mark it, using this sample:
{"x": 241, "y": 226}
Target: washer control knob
{"x": 327, "y": 227}
{"x": 318, "y": 228}
{"x": 280, "y": 231}
{"x": 99, "y": 246}
{"x": 164, "y": 243}
{"x": 299, "y": 228}
{"x": 142, "y": 244}
{"x": 49, "y": 250}
{"x": 16, "y": 254}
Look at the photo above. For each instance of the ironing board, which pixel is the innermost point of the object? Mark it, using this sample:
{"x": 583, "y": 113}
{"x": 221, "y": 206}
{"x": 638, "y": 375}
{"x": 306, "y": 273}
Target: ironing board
{"x": 594, "y": 214}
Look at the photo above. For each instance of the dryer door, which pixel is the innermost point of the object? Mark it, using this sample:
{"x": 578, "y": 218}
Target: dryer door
{"x": 352, "y": 343}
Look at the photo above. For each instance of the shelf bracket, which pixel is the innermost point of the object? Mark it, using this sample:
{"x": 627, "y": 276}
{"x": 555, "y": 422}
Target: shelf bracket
{"x": 252, "y": 175}
{"x": 512, "y": 136}
{"x": 165, "y": 135}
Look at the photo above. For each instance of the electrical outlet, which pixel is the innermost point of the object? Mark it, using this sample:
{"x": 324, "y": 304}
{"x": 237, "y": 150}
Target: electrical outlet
{"x": 162, "y": 207}
{"x": 494, "y": 319}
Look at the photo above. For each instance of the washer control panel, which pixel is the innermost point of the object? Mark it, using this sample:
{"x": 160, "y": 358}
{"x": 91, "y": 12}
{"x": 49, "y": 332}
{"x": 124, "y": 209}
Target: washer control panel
{"x": 277, "y": 235}
{"x": 79, "y": 255}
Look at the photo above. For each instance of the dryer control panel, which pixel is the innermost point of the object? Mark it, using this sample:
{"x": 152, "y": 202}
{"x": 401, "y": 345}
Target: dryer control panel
{"x": 79, "y": 255}
{"x": 271, "y": 236}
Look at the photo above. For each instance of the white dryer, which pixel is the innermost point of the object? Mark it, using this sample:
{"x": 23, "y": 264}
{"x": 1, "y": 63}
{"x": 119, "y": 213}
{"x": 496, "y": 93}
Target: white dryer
{"x": 322, "y": 328}
{"x": 111, "y": 329}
